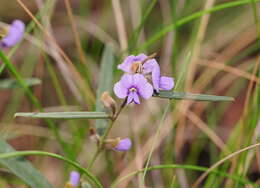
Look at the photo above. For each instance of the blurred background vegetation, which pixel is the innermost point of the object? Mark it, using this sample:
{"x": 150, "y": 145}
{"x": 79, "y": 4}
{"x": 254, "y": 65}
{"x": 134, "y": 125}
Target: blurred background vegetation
{"x": 212, "y": 52}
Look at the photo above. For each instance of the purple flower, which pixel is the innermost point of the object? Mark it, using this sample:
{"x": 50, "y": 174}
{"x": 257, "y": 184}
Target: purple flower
{"x": 14, "y": 35}
{"x": 166, "y": 83}
{"x": 137, "y": 64}
{"x": 123, "y": 145}
{"x": 74, "y": 178}
{"x": 132, "y": 86}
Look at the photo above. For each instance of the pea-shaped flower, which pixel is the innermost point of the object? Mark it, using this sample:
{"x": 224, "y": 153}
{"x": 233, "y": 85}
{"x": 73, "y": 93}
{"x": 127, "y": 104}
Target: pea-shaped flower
{"x": 132, "y": 86}
{"x": 123, "y": 145}
{"x": 146, "y": 65}
{"x": 13, "y": 35}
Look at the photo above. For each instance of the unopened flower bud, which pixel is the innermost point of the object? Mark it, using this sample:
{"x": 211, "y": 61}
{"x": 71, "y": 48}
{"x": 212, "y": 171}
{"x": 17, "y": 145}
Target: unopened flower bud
{"x": 123, "y": 145}
{"x": 118, "y": 144}
{"x": 109, "y": 102}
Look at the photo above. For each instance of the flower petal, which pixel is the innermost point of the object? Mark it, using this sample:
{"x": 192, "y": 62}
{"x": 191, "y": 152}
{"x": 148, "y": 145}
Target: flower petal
{"x": 15, "y": 34}
{"x": 156, "y": 77}
{"x": 130, "y": 97}
{"x": 120, "y": 90}
{"x": 166, "y": 83}
{"x": 124, "y": 145}
{"x": 140, "y": 57}
{"x": 139, "y": 80}
{"x": 74, "y": 178}
{"x": 127, "y": 80}
{"x": 136, "y": 98}
{"x": 151, "y": 66}
{"x": 146, "y": 91}
{"x": 126, "y": 65}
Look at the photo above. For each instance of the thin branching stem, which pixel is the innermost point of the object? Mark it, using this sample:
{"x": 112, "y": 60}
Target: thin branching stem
{"x": 104, "y": 136}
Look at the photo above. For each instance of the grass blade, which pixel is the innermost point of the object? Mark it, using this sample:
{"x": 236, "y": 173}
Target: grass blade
{"x": 11, "y": 154}
{"x": 12, "y": 84}
{"x": 105, "y": 84}
{"x": 190, "y": 18}
{"x": 22, "y": 168}
{"x": 187, "y": 167}
{"x": 191, "y": 96}
{"x": 65, "y": 115}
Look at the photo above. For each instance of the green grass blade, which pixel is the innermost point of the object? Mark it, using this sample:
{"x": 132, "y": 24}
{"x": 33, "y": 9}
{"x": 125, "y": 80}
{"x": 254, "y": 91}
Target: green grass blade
{"x": 134, "y": 37}
{"x": 105, "y": 84}
{"x": 22, "y": 168}
{"x": 65, "y": 115}
{"x": 188, "y": 167}
{"x": 191, "y": 96}
{"x": 12, "y": 84}
{"x": 12, "y": 154}
{"x": 33, "y": 99}
{"x": 189, "y": 18}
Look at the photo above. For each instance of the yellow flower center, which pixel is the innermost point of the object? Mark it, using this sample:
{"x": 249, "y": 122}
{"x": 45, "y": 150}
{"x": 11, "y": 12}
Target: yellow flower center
{"x": 133, "y": 89}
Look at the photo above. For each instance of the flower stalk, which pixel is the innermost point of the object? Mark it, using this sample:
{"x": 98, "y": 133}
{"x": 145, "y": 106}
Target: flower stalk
{"x": 104, "y": 136}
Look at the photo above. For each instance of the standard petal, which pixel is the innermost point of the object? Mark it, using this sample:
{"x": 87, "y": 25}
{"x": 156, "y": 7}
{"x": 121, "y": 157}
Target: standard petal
{"x": 166, "y": 83}
{"x": 146, "y": 91}
{"x": 127, "y": 80}
{"x": 120, "y": 90}
{"x": 136, "y": 98}
{"x": 127, "y": 63}
{"x": 130, "y": 98}
{"x": 138, "y": 80}
{"x": 140, "y": 57}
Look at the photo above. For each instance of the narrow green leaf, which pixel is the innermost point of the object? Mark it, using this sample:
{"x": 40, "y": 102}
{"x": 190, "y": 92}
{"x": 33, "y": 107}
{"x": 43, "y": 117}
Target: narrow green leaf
{"x": 162, "y": 32}
{"x": 65, "y": 115}
{"x": 22, "y": 168}
{"x": 191, "y": 96}
{"x": 188, "y": 167}
{"x": 44, "y": 153}
{"x": 105, "y": 83}
{"x": 11, "y": 83}
{"x": 33, "y": 99}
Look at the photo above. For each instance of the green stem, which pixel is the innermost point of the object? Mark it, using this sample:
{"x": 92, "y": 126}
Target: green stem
{"x": 101, "y": 144}
{"x": 76, "y": 165}
{"x": 104, "y": 136}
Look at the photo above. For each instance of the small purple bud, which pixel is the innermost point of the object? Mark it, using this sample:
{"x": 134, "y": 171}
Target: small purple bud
{"x": 74, "y": 178}
{"x": 123, "y": 145}
{"x": 14, "y": 35}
